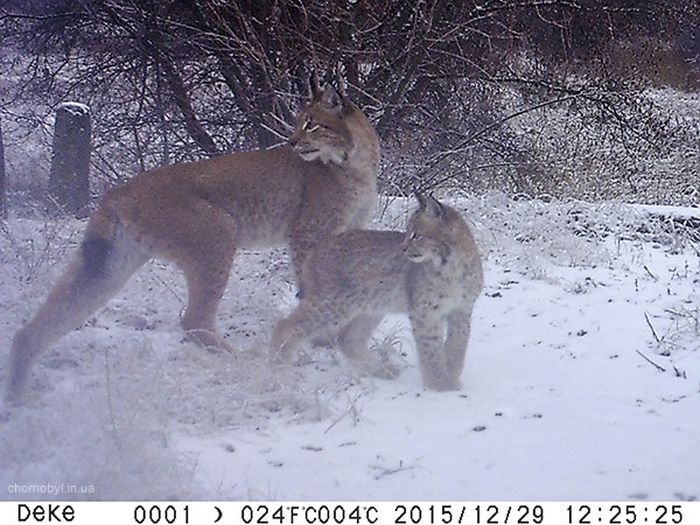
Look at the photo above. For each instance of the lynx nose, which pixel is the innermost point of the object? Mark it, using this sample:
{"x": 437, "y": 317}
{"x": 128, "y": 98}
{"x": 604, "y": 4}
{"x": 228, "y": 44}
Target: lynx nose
{"x": 293, "y": 141}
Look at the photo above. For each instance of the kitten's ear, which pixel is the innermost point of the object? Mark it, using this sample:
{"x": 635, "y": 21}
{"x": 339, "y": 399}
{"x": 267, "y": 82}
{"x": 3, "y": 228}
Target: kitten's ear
{"x": 332, "y": 99}
{"x": 420, "y": 198}
{"x": 430, "y": 206}
{"x": 314, "y": 86}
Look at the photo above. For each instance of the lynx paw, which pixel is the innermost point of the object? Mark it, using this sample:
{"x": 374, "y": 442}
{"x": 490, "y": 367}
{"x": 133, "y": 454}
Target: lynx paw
{"x": 208, "y": 340}
{"x": 443, "y": 384}
{"x": 386, "y": 370}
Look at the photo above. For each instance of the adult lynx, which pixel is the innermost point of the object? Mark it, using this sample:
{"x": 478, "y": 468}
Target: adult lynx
{"x": 197, "y": 214}
{"x": 350, "y": 281}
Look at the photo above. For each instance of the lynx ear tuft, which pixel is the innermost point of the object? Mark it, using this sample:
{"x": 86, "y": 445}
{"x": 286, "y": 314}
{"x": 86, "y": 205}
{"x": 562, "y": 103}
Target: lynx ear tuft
{"x": 314, "y": 86}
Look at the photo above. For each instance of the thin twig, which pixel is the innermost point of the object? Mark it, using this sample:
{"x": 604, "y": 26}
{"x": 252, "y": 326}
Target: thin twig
{"x": 658, "y": 367}
{"x": 165, "y": 285}
{"x": 651, "y": 327}
{"x": 352, "y": 410}
{"x": 383, "y": 471}
{"x": 646, "y": 269}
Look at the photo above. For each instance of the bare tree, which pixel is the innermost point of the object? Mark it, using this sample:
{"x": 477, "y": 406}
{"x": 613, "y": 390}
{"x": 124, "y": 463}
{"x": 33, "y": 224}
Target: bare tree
{"x": 3, "y": 182}
{"x": 186, "y": 79}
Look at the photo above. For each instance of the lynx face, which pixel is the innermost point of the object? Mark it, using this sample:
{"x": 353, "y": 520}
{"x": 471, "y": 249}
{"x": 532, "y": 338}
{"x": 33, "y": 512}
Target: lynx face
{"x": 428, "y": 236}
{"x": 321, "y": 132}
{"x": 421, "y": 249}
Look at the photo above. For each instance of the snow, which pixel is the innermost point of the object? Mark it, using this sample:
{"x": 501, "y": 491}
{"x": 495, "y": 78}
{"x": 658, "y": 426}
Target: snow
{"x": 558, "y": 402}
{"x": 75, "y": 108}
{"x": 682, "y": 212}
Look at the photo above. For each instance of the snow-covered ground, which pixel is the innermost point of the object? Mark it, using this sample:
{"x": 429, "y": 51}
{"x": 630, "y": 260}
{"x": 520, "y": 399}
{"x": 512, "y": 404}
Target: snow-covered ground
{"x": 582, "y": 378}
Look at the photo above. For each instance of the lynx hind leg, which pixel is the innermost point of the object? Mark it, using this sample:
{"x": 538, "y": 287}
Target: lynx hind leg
{"x": 91, "y": 279}
{"x": 428, "y": 332}
{"x": 304, "y": 324}
{"x": 354, "y": 340}
{"x": 206, "y": 283}
{"x": 202, "y": 246}
{"x": 458, "y": 330}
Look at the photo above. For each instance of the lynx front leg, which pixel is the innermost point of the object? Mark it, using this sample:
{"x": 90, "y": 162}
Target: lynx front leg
{"x": 299, "y": 247}
{"x": 428, "y": 333}
{"x": 303, "y": 324}
{"x": 458, "y": 328}
{"x": 311, "y": 227}
{"x": 353, "y": 341}
{"x": 206, "y": 283}
{"x": 207, "y": 266}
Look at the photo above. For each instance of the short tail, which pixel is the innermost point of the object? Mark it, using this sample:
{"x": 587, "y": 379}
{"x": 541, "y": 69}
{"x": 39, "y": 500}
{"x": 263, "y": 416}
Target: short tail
{"x": 95, "y": 252}
{"x": 86, "y": 284}
{"x": 98, "y": 242}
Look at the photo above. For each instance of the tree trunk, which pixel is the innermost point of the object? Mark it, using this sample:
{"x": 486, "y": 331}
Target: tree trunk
{"x": 69, "y": 185}
{"x": 3, "y": 186}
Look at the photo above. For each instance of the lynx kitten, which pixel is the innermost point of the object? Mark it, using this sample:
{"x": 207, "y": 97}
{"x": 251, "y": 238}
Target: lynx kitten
{"x": 351, "y": 280}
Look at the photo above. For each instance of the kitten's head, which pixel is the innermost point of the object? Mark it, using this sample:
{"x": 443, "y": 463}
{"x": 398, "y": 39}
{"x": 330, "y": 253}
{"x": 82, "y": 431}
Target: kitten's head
{"x": 430, "y": 234}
